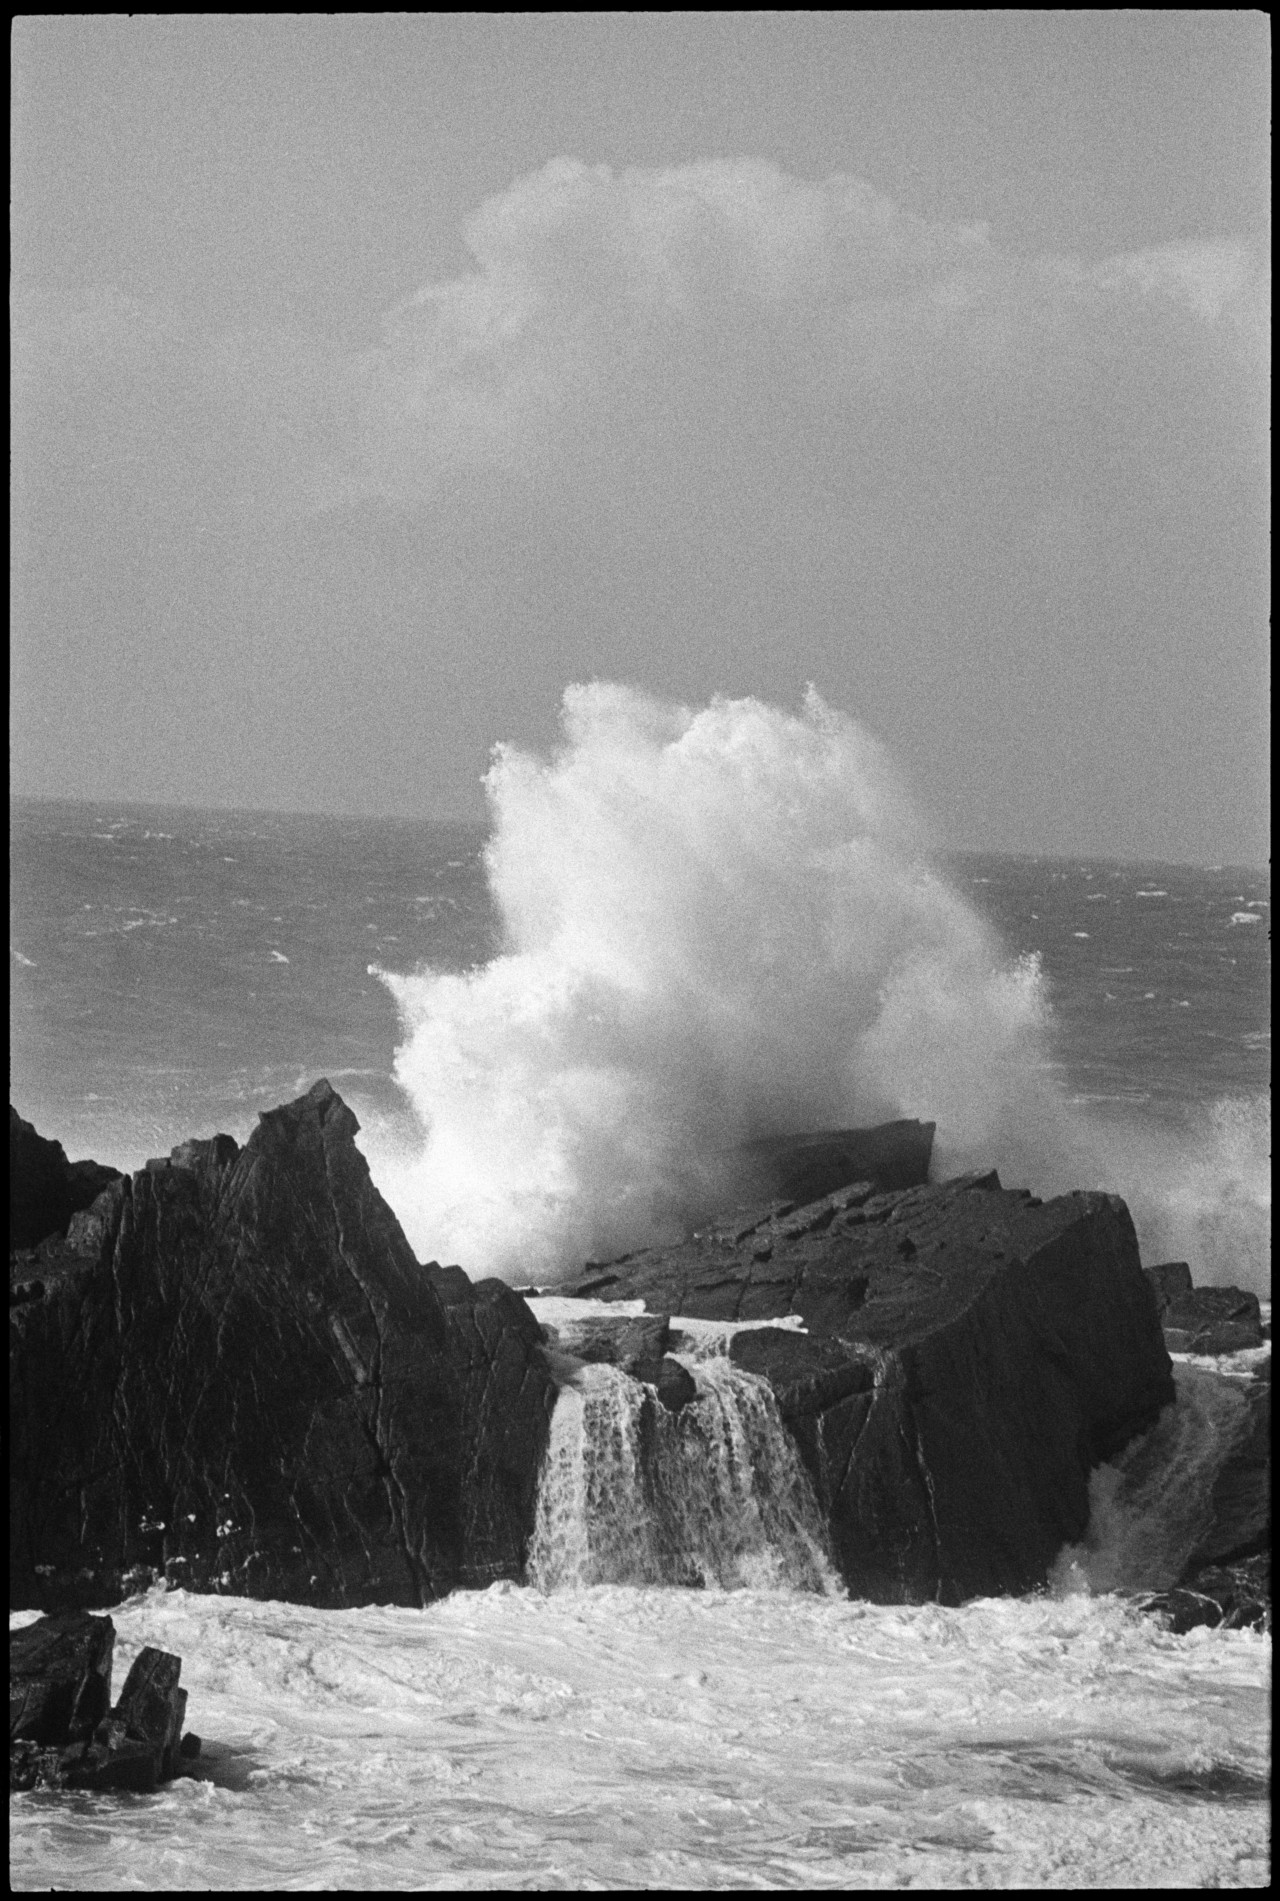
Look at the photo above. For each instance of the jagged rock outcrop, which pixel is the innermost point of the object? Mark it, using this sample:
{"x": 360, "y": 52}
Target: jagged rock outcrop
{"x": 970, "y": 1354}
{"x": 1203, "y": 1319}
{"x": 233, "y": 1371}
{"x": 63, "y": 1732}
{"x": 45, "y": 1189}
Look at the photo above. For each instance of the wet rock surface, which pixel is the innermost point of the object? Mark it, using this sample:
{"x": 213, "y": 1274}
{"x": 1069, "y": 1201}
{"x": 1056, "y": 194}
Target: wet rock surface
{"x": 1203, "y": 1319}
{"x": 1233, "y": 1596}
{"x": 231, "y": 1371}
{"x": 1240, "y": 1526}
{"x": 60, "y": 1678}
{"x": 636, "y": 1345}
{"x": 970, "y": 1355}
{"x": 63, "y": 1731}
{"x": 626, "y": 1342}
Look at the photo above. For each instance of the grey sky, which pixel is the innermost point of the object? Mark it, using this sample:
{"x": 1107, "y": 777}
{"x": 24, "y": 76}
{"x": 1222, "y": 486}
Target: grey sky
{"x": 378, "y": 376}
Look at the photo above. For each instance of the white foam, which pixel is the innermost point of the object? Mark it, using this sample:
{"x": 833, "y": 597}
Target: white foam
{"x": 700, "y": 1339}
{"x": 719, "y": 925}
{"x": 555, "y": 1310}
{"x": 634, "y": 1738}
{"x": 1149, "y": 1508}
{"x": 722, "y": 924}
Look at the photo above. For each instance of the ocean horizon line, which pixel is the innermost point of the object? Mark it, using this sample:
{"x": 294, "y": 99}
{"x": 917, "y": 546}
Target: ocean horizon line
{"x": 942, "y": 849}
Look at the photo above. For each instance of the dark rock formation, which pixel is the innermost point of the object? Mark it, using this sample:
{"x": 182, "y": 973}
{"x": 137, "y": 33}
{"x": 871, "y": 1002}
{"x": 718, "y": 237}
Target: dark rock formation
{"x": 1169, "y": 1281}
{"x": 1227, "y": 1579}
{"x": 675, "y": 1385}
{"x": 624, "y": 1341}
{"x": 970, "y": 1355}
{"x": 152, "y": 1707}
{"x": 232, "y": 1371}
{"x": 1241, "y": 1497}
{"x": 1232, "y": 1596}
{"x": 1203, "y": 1319}
{"x": 60, "y": 1678}
{"x": 45, "y": 1189}
{"x": 803, "y": 1168}
{"x": 637, "y": 1344}
{"x": 63, "y": 1733}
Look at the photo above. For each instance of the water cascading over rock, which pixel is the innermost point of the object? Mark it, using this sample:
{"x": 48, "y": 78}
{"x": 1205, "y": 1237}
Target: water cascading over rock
{"x": 711, "y": 1494}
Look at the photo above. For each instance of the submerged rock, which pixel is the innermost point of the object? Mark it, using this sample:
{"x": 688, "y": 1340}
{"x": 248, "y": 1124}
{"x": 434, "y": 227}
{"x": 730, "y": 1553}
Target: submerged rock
{"x": 235, "y": 1374}
{"x": 970, "y": 1355}
{"x": 63, "y": 1734}
{"x": 45, "y": 1189}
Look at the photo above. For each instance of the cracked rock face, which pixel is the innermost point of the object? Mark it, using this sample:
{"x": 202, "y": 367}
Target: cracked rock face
{"x": 970, "y": 1355}
{"x": 232, "y": 1370}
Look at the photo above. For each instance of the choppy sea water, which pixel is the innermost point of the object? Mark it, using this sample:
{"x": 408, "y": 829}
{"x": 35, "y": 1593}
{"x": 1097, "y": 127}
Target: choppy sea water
{"x": 622, "y": 1738}
{"x": 173, "y": 973}
{"x": 176, "y": 972}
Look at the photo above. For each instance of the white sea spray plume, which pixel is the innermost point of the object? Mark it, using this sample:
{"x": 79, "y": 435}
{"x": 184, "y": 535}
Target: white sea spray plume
{"x": 1150, "y": 1507}
{"x": 1205, "y": 1197}
{"x": 719, "y": 924}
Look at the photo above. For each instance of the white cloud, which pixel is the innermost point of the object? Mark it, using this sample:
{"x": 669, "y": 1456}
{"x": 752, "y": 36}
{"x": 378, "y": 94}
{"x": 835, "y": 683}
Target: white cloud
{"x": 628, "y": 296}
{"x": 651, "y": 319}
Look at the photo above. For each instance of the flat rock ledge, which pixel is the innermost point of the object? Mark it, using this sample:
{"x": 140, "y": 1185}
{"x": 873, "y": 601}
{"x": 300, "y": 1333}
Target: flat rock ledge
{"x": 64, "y": 1731}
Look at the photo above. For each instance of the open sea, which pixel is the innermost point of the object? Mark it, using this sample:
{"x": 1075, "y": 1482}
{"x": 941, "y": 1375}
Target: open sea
{"x": 172, "y": 973}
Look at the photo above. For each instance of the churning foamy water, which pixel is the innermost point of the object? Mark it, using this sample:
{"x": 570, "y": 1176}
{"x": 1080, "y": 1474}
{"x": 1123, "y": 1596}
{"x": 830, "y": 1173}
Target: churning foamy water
{"x": 599, "y": 1729}
{"x": 625, "y": 1737}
